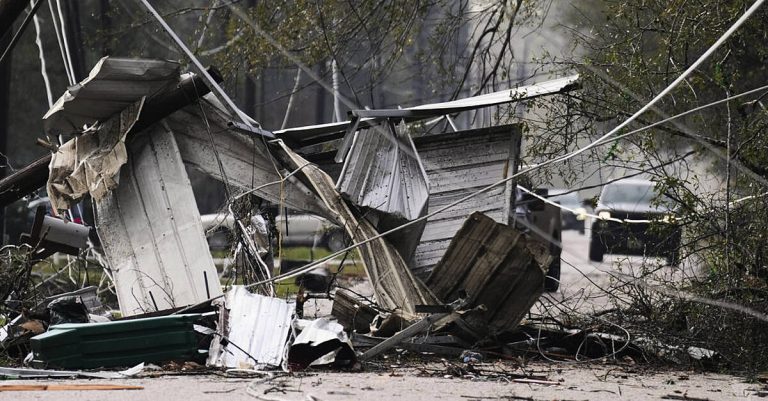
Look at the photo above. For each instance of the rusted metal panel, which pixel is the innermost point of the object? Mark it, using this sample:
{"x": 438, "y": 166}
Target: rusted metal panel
{"x": 151, "y": 231}
{"x": 457, "y": 165}
{"x": 492, "y": 264}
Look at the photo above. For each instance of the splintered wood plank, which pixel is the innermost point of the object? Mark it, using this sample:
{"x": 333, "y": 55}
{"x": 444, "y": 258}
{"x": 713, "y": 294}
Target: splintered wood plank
{"x": 66, "y": 387}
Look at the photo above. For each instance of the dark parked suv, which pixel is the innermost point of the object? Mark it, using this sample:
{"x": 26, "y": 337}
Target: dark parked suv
{"x": 634, "y": 199}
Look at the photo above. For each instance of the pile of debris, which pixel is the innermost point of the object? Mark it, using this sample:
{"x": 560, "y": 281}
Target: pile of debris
{"x": 446, "y": 240}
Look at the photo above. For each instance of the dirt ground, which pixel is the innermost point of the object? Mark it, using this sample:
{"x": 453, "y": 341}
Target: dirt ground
{"x": 423, "y": 381}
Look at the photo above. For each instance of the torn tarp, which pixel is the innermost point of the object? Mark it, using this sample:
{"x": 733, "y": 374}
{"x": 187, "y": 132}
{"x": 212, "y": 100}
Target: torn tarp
{"x": 90, "y": 163}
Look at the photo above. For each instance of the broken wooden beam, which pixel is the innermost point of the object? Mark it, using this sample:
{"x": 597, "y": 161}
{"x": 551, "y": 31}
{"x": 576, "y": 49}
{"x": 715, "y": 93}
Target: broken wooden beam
{"x": 67, "y": 387}
{"x": 33, "y": 176}
{"x": 410, "y": 331}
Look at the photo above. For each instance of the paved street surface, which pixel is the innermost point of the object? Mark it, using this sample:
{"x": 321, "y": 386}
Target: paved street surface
{"x": 568, "y": 382}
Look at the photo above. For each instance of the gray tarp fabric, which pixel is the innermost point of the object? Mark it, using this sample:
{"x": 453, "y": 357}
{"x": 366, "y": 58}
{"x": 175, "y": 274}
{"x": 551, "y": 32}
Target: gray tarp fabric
{"x": 90, "y": 163}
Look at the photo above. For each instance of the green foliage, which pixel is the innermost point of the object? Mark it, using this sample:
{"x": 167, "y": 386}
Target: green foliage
{"x": 633, "y": 50}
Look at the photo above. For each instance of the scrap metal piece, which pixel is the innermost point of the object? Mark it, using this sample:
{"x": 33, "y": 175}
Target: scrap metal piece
{"x": 254, "y": 330}
{"x": 494, "y": 265}
{"x": 240, "y": 160}
{"x": 421, "y": 326}
{"x": 393, "y": 283}
{"x": 151, "y": 231}
{"x": 457, "y": 165}
{"x": 51, "y": 234}
{"x": 321, "y": 342}
{"x": 112, "y": 85}
{"x": 314, "y": 134}
{"x": 351, "y": 312}
{"x": 121, "y": 343}
{"x": 383, "y": 173}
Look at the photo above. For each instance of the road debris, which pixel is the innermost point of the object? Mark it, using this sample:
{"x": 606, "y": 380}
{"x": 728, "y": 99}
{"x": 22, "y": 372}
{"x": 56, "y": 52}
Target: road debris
{"x": 480, "y": 273}
{"x": 252, "y": 332}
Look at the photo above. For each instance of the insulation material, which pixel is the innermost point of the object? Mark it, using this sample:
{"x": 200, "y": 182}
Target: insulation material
{"x": 90, "y": 163}
{"x": 151, "y": 231}
{"x": 256, "y": 328}
{"x": 112, "y": 85}
{"x": 393, "y": 283}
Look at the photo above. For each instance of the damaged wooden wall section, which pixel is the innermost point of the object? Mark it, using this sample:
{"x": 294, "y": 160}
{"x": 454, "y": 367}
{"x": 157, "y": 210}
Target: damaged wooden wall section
{"x": 494, "y": 265}
{"x": 459, "y": 164}
{"x": 151, "y": 231}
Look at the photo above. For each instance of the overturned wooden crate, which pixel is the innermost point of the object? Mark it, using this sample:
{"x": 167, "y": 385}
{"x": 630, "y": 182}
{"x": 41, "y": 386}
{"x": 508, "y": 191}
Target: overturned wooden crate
{"x": 494, "y": 265}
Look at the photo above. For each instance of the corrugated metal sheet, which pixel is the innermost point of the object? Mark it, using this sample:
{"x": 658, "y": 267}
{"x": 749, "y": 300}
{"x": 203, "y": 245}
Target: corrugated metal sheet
{"x": 151, "y": 231}
{"x": 383, "y": 172}
{"x": 491, "y": 264}
{"x": 254, "y": 323}
{"x": 112, "y": 85}
{"x": 245, "y": 162}
{"x": 303, "y": 136}
{"x": 505, "y": 96}
{"x": 457, "y": 165}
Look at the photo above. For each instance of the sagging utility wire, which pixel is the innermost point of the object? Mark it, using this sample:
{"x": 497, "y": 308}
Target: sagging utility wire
{"x": 565, "y": 157}
{"x": 244, "y": 118}
{"x": 54, "y": 18}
